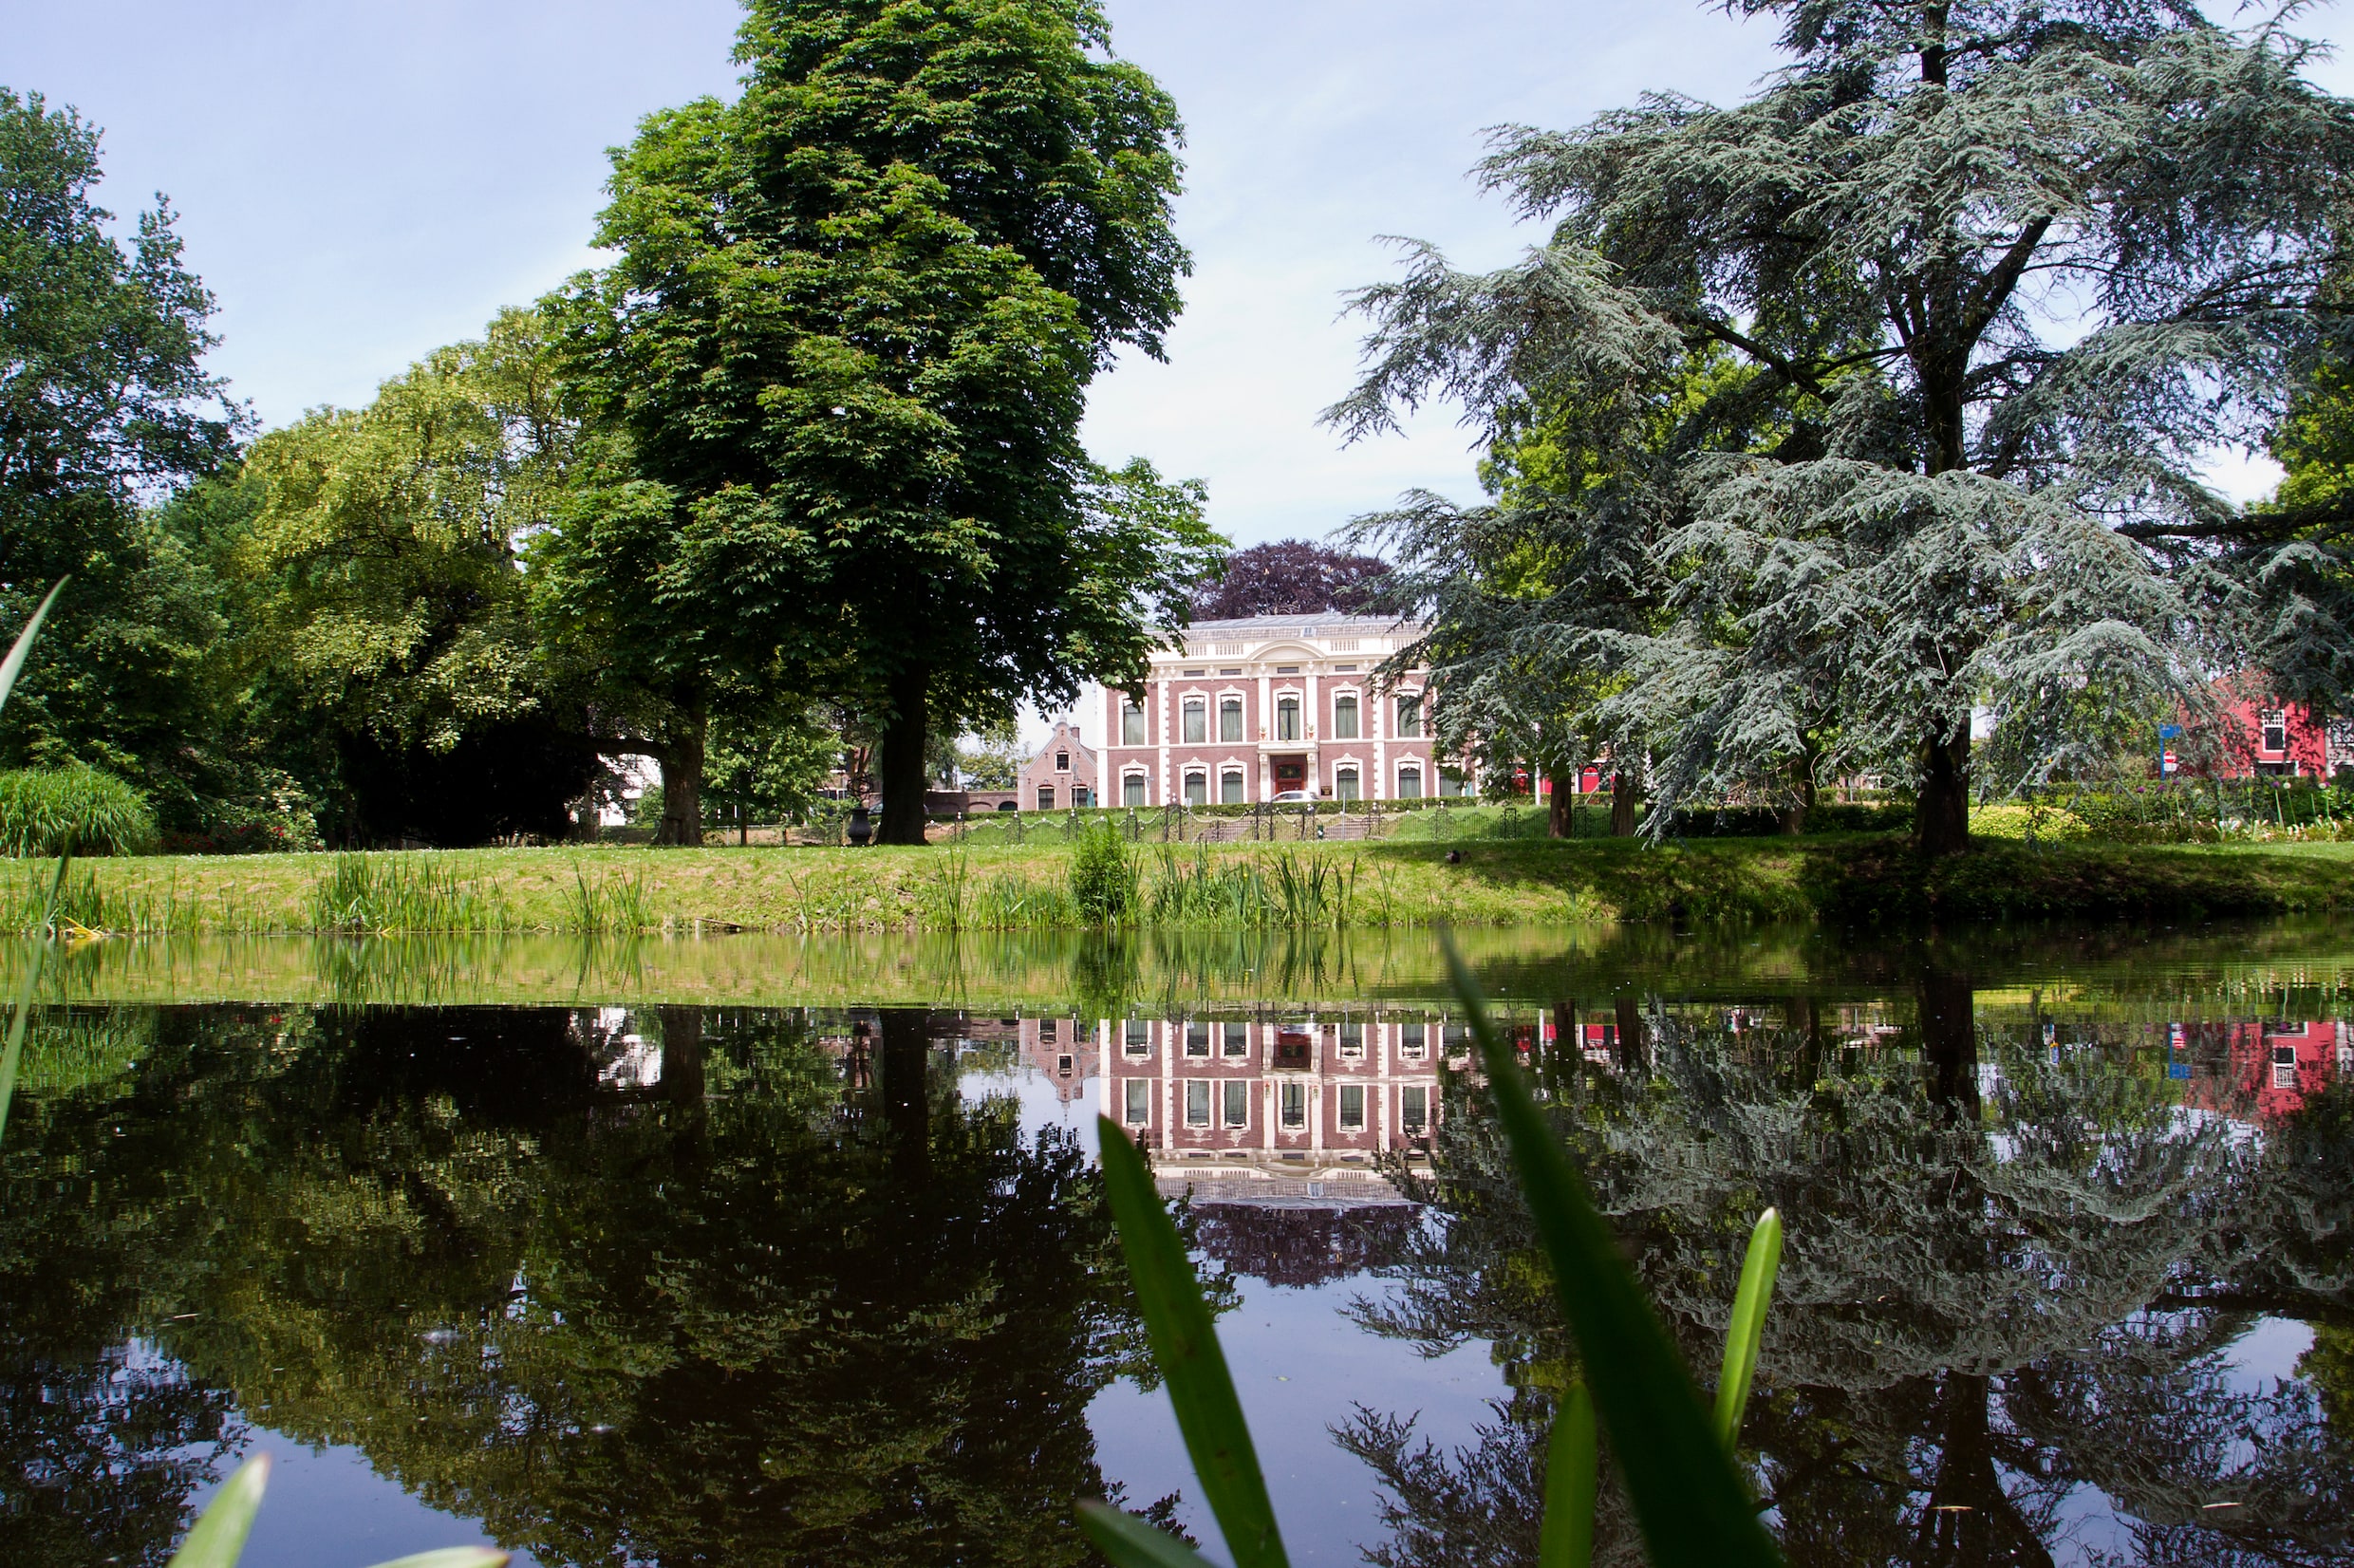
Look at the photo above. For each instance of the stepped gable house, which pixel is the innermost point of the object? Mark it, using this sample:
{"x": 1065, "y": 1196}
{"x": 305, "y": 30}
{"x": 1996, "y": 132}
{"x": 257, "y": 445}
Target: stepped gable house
{"x": 1060, "y": 776}
{"x": 1255, "y": 707}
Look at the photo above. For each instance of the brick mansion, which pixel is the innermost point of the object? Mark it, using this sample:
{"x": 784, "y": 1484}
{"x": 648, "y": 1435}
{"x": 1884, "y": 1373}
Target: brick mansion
{"x": 1254, "y": 708}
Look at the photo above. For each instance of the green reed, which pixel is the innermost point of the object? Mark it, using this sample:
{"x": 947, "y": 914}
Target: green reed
{"x": 389, "y": 895}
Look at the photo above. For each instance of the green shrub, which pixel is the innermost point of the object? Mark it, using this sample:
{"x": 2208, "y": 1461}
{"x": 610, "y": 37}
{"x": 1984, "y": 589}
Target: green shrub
{"x": 2027, "y": 820}
{"x": 46, "y": 810}
{"x": 1103, "y": 878}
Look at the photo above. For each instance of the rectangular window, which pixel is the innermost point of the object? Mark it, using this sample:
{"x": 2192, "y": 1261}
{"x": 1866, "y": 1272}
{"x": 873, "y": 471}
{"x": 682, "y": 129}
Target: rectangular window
{"x": 1230, "y": 789}
{"x": 1136, "y": 1037}
{"x": 2284, "y": 1067}
{"x": 1456, "y": 1038}
{"x": 1238, "y": 1039}
{"x": 1197, "y": 724}
{"x": 1409, "y": 717}
{"x": 1196, "y": 1039}
{"x": 1409, "y": 783}
{"x": 1351, "y": 1108}
{"x": 1344, "y": 718}
{"x": 1451, "y": 782}
{"x": 1046, "y": 797}
{"x": 1139, "y": 1107}
{"x": 1197, "y": 1102}
{"x": 1062, "y": 763}
{"x": 1295, "y": 1106}
{"x": 1197, "y": 789}
{"x": 1414, "y": 1110}
{"x": 1353, "y": 1041}
{"x": 1287, "y": 719}
{"x": 1413, "y": 1042}
{"x": 1237, "y": 1102}
{"x": 1131, "y": 724}
{"x": 1344, "y": 784}
{"x": 1230, "y": 719}
{"x": 1133, "y": 790}
{"x": 2276, "y": 730}
{"x": 1082, "y": 797}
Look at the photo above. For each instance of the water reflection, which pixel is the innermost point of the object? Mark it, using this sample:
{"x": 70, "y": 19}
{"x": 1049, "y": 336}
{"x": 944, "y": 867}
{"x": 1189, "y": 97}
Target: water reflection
{"x": 669, "y": 1282}
{"x": 2020, "y": 1257}
{"x": 767, "y": 1303}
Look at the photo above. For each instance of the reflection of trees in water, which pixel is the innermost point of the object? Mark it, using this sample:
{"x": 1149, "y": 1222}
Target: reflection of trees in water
{"x": 1302, "y": 1245}
{"x": 1959, "y": 1340}
{"x": 734, "y": 1316}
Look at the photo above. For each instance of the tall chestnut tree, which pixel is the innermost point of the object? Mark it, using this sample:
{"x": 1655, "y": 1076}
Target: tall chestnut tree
{"x": 1996, "y": 277}
{"x": 847, "y": 337}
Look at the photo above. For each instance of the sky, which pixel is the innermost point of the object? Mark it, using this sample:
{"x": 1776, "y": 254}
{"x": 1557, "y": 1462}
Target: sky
{"x": 361, "y": 184}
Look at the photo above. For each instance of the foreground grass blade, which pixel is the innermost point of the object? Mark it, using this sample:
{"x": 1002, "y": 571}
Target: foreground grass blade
{"x": 451, "y": 1557}
{"x": 1572, "y": 1481}
{"x": 15, "y": 1050}
{"x": 217, "y": 1539}
{"x": 14, "y": 662}
{"x": 1748, "y": 1327}
{"x": 1129, "y": 1541}
{"x": 1688, "y": 1497}
{"x": 1185, "y": 1346}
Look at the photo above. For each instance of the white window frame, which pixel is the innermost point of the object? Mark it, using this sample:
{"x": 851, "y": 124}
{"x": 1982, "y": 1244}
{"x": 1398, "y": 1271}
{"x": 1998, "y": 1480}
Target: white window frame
{"x": 1415, "y": 766}
{"x": 1136, "y": 1038}
{"x": 1229, "y": 1098}
{"x": 1193, "y": 776}
{"x": 1346, "y": 1092}
{"x": 1189, "y": 1026}
{"x": 1137, "y": 1102}
{"x": 1416, "y": 1120}
{"x": 1189, "y": 707}
{"x": 1197, "y": 1088}
{"x": 1354, "y": 695}
{"x": 1291, "y": 1103}
{"x": 1136, "y": 777}
{"x": 1422, "y": 715}
{"x": 1142, "y": 730}
{"x": 1241, "y": 716}
{"x": 1299, "y": 700}
{"x": 1242, "y": 785}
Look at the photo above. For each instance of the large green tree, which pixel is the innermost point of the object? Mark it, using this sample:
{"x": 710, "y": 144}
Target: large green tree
{"x": 847, "y": 339}
{"x": 2016, "y": 269}
{"x": 105, "y": 410}
{"x": 382, "y": 624}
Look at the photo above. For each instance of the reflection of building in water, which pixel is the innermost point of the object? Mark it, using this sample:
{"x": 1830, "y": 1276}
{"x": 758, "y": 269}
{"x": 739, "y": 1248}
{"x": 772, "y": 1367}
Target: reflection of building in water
{"x": 1288, "y": 1243}
{"x": 1243, "y": 1098}
{"x": 2269, "y": 1067}
{"x": 1063, "y": 1051}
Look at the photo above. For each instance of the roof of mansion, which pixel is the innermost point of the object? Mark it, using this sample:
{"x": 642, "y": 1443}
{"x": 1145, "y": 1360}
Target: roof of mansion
{"x": 1332, "y": 623}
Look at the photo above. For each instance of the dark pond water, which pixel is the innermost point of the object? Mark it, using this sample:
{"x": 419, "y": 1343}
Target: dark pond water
{"x": 752, "y": 1253}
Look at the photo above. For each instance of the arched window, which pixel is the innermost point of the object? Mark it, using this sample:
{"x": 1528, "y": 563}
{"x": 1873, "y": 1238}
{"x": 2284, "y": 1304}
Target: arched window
{"x": 1409, "y": 783}
{"x": 1344, "y": 784}
{"x": 1410, "y": 716}
{"x": 1230, "y": 719}
{"x": 1230, "y": 787}
{"x": 1197, "y": 789}
{"x": 1046, "y": 797}
{"x": 1344, "y": 718}
{"x": 1062, "y": 763}
{"x": 1287, "y": 719}
{"x": 1133, "y": 790}
{"x": 1197, "y": 721}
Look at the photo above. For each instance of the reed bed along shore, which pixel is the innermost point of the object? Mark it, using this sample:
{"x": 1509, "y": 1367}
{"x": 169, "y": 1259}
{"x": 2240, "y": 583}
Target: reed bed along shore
{"x": 1231, "y": 886}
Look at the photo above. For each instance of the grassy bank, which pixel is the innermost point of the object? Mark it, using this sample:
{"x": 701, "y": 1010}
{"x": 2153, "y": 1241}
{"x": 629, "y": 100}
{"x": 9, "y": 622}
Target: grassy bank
{"x": 1849, "y": 878}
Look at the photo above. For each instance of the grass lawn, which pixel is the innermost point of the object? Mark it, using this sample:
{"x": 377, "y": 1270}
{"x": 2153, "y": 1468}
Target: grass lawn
{"x": 1495, "y": 881}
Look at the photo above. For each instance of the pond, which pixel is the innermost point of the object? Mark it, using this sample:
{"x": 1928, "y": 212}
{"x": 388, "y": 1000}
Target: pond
{"x": 754, "y": 1251}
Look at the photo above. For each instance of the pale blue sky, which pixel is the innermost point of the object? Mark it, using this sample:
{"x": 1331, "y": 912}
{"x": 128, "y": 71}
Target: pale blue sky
{"x": 358, "y": 184}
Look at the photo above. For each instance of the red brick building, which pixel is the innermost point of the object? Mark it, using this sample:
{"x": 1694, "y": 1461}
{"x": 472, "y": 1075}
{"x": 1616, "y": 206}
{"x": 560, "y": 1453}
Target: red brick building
{"x": 1060, "y": 776}
{"x": 1253, "y": 708}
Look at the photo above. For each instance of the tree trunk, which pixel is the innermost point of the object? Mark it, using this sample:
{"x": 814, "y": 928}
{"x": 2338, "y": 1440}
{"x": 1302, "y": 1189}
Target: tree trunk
{"x": 1950, "y": 1041}
{"x": 1942, "y": 819}
{"x": 902, "y": 760}
{"x": 682, "y": 780}
{"x": 1621, "y": 806}
{"x": 1633, "y": 1058}
{"x": 907, "y": 1056}
{"x": 1561, "y": 822}
{"x": 682, "y": 1056}
{"x": 1802, "y": 791}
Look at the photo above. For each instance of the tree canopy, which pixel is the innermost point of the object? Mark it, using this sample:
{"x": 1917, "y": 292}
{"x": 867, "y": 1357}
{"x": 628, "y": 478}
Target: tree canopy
{"x": 1996, "y": 279}
{"x": 1293, "y": 577}
{"x": 847, "y": 337}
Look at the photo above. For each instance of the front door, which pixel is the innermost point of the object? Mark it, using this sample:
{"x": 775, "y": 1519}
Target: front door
{"x": 1291, "y": 772}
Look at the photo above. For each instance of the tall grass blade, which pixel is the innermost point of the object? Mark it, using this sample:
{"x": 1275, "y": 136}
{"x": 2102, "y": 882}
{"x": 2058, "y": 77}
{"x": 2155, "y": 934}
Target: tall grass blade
{"x": 1573, "y": 1482}
{"x": 1688, "y": 1498}
{"x": 15, "y": 1052}
{"x": 1185, "y": 1346}
{"x": 14, "y": 664}
{"x": 450, "y": 1557}
{"x": 1130, "y": 1542}
{"x": 217, "y": 1539}
{"x": 1748, "y": 1328}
